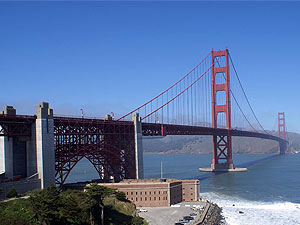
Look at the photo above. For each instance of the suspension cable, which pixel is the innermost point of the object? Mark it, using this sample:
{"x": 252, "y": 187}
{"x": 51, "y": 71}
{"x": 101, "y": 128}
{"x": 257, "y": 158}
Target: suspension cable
{"x": 186, "y": 88}
{"x": 166, "y": 89}
{"x": 245, "y": 94}
{"x": 238, "y": 103}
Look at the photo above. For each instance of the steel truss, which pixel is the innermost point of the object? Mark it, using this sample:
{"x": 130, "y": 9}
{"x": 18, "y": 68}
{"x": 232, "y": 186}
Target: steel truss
{"x": 16, "y": 125}
{"x": 107, "y": 144}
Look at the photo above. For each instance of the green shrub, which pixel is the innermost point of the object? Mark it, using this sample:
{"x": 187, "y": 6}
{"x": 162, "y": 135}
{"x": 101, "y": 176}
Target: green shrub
{"x": 121, "y": 196}
{"x": 138, "y": 221}
{"x": 16, "y": 212}
{"x": 12, "y": 193}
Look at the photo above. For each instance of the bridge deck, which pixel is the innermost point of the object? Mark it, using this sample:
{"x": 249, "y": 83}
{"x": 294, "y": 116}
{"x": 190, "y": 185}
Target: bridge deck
{"x": 156, "y": 129}
{"x": 19, "y": 126}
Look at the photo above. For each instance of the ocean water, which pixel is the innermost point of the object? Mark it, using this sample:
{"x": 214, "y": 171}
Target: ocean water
{"x": 269, "y": 193}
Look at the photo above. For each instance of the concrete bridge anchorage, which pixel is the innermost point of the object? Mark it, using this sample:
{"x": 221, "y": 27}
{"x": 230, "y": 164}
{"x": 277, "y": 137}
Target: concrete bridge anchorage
{"x": 38, "y": 150}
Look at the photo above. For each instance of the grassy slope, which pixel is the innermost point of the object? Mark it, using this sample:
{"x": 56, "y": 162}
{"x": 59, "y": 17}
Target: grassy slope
{"x": 118, "y": 212}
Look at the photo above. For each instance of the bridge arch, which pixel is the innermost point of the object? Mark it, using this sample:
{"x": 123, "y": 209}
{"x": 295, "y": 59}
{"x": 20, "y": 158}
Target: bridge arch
{"x": 106, "y": 159}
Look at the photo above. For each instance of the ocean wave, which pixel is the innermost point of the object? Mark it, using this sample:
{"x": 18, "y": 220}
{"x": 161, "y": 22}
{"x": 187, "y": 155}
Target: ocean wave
{"x": 239, "y": 211}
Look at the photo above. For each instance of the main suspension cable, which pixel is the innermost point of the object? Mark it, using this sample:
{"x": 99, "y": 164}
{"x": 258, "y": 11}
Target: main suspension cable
{"x": 245, "y": 94}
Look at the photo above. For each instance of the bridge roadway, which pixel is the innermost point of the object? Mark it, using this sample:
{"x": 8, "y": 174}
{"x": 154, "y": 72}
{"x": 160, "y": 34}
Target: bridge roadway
{"x": 19, "y": 125}
{"x": 112, "y": 146}
{"x": 151, "y": 129}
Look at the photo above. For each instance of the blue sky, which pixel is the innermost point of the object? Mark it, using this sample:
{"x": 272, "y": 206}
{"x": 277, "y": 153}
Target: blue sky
{"x": 114, "y": 56}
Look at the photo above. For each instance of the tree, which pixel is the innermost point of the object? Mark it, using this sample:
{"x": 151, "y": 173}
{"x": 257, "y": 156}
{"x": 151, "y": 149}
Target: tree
{"x": 98, "y": 193}
{"x": 12, "y": 193}
{"x": 45, "y": 205}
{"x": 76, "y": 207}
{"x": 121, "y": 196}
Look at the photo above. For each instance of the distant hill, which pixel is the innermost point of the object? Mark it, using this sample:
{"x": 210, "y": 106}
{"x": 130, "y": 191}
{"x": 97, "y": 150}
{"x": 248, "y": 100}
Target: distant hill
{"x": 203, "y": 144}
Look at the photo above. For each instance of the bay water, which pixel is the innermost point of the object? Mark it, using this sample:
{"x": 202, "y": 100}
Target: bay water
{"x": 268, "y": 193}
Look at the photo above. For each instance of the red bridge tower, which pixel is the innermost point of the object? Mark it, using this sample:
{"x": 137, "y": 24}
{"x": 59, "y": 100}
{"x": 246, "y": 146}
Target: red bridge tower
{"x": 281, "y": 131}
{"x": 222, "y": 147}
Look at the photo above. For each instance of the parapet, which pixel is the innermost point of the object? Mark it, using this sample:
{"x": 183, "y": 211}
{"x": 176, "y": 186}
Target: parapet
{"x": 107, "y": 117}
{"x": 43, "y": 111}
{"x": 8, "y": 110}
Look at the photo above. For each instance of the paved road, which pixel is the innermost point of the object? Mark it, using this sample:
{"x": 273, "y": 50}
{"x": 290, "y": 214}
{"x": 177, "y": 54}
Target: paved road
{"x": 168, "y": 215}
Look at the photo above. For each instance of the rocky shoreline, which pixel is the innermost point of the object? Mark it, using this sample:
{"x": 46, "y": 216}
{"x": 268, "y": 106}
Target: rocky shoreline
{"x": 214, "y": 215}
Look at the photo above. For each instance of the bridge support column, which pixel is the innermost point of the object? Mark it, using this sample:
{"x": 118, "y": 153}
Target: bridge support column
{"x": 281, "y": 133}
{"x": 222, "y": 149}
{"x": 282, "y": 148}
{"x": 222, "y": 146}
{"x": 139, "y": 165}
{"x": 6, "y": 148}
{"x": 45, "y": 144}
{"x": 6, "y": 156}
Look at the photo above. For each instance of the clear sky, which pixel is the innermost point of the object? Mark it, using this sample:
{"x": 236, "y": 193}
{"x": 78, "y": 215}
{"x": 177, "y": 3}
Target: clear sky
{"x": 114, "y": 56}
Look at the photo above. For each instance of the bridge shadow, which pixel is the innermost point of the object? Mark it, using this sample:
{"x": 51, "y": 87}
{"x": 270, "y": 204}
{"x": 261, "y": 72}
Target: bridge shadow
{"x": 246, "y": 164}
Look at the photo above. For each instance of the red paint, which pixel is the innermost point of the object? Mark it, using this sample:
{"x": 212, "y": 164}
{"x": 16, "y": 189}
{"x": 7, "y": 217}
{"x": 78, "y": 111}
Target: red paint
{"x": 222, "y": 146}
{"x": 107, "y": 144}
{"x": 281, "y": 130}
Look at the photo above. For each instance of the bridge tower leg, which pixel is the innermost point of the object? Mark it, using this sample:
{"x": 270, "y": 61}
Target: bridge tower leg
{"x": 281, "y": 132}
{"x": 222, "y": 146}
{"x": 139, "y": 165}
{"x": 45, "y": 144}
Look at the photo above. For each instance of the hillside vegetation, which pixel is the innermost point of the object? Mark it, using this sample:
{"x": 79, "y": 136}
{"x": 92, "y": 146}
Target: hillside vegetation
{"x": 96, "y": 205}
{"x": 194, "y": 144}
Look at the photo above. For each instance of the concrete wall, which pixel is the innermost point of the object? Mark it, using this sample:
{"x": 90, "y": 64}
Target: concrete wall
{"x": 21, "y": 186}
{"x": 13, "y": 152}
{"x": 2, "y": 155}
{"x": 6, "y": 156}
{"x": 19, "y": 157}
{"x": 6, "y": 149}
{"x": 31, "y": 153}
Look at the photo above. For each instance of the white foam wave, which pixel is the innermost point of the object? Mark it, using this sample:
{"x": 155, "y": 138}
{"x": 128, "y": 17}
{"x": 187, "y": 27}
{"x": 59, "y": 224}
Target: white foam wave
{"x": 244, "y": 212}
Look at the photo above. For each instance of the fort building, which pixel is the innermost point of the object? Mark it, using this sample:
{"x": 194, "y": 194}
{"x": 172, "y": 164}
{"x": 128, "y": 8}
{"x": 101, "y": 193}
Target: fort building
{"x": 157, "y": 192}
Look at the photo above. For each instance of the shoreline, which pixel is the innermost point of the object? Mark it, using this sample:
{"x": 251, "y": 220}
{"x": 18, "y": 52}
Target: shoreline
{"x": 212, "y": 215}
{"x": 245, "y": 211}
{"x": 205, "y": 212}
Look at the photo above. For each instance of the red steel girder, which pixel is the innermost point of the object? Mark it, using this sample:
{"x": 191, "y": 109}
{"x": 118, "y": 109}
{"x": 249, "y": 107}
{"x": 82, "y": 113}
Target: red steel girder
{"x": 107, "y": 144}
{"x": 16, "y": 125}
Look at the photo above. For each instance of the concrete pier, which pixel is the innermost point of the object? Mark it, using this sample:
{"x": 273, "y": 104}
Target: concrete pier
{"x": 6, "y": 148}
{"x": 19, "y": 158}
{"x": 222, "y": 167}
{"x": 138, "y": 136}
{"x": 6, "y": 156}
{"x": 45, "y": 144}
{"x": 223, "y": 170}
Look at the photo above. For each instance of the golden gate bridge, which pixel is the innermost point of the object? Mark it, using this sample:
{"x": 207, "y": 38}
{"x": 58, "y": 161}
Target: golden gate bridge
{"x": 208, "y": 100}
